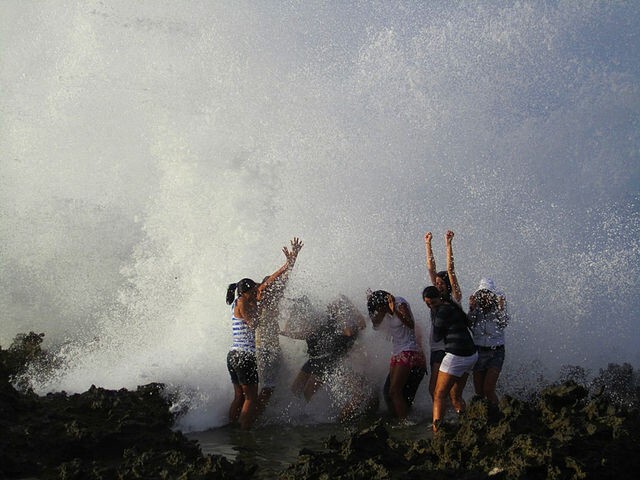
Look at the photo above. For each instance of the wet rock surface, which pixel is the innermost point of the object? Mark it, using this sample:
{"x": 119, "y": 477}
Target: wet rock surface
{"x": 564, "y": 431}
{"x": 98, "y": 434}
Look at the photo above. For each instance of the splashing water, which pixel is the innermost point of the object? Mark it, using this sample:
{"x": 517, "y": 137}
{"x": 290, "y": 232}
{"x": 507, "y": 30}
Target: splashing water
{"x": 154, "y": 152}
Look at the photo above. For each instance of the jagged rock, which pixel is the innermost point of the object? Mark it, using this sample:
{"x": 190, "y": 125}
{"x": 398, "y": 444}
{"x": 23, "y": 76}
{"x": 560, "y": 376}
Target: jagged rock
{"x": 98, "y": 434}
{"x": 565, "y": 431}
{"x": 562, "y": 435}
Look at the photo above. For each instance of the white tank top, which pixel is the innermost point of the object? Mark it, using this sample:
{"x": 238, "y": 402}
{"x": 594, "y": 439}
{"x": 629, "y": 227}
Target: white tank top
{"x": 402, "y": 337}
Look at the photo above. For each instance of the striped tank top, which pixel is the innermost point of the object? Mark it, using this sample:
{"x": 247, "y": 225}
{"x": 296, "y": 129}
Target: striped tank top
{"x": 243, "y": 337}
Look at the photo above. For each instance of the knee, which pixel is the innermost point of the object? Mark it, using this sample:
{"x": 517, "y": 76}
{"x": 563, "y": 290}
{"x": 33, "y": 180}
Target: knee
{"x": 440, "y": 395}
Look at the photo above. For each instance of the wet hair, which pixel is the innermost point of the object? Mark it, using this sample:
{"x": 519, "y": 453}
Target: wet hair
{"x": 486, "y": 299}
{"x": 444, "y": 275}
{"x": 241, "y": 287}
{"x": 431, "y": 292}
{"x": 376, "y": 300}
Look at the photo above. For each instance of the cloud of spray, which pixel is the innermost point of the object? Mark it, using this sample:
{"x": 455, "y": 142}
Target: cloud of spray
{"x": 154, "y": 153}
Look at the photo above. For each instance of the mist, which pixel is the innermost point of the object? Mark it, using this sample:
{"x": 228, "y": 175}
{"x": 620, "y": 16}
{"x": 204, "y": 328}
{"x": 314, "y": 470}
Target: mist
{"x": 154, "y": 152}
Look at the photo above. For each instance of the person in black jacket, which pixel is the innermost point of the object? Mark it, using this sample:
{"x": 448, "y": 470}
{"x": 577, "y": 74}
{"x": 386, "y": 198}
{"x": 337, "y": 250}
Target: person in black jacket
{"x": 450, "y": 324}
{"x": 329, "y": 339}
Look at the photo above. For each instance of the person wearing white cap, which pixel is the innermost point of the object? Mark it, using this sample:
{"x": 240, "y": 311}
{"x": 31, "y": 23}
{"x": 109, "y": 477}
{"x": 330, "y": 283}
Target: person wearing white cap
{"x": 489, "y": 318}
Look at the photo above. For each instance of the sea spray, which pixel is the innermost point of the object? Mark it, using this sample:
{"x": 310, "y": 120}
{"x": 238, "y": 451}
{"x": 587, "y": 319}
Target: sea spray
{"x": 154, "y": 153}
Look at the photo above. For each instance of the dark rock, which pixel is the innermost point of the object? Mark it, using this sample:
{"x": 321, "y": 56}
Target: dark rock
{"x": 563, "y": 434}
{"x": 98, "y": 434}
{"x": 563, "y": 431}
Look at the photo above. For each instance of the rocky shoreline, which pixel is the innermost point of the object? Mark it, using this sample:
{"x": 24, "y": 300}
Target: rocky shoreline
{"x": 565, "y": 431}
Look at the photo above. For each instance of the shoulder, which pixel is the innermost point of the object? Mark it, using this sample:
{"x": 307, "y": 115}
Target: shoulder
{"x": 446, "y": 309}
{"x": 401, "y": 301}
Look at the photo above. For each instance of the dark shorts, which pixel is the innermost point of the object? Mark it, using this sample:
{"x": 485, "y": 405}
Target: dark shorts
{"x": 320, "y": 366}
{"x": 489, "y": 359}
{"x": 242, "y": 367}
{"x": 410, "y": 388}
{"x": 436, "y": 357}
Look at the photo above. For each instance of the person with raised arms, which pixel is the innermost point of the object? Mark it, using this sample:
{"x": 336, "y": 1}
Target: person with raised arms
{"x": 243, "y": 297}
{"x": 450, "y": 324}
{"x": 446, "y": 282}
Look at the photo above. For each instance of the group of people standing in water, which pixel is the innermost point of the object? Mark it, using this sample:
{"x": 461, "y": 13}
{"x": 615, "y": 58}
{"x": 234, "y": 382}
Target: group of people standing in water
{"x": 461, "y": 342}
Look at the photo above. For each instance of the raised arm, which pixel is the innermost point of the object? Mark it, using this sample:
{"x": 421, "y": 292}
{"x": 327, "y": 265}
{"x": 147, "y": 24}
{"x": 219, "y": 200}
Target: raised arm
{"x": 431, "y": 261}
{"x": 502, "y": 316}
{"x": 283, "y": 271}
{"x": 456, "y": 294}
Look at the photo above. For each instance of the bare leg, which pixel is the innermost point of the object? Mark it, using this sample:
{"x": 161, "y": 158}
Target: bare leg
{"x": 490, "y": 382}
{"x": 398, "y": 378}
{"x": 236, "y": 404}
{"x": 456, "y": 393}
{"x": 443, "y": 387}
{"x": 433, "y": 378}
{"x": 263, "y": 399}
{"x": 311, "y": 387}
{"x": 478, "y": 383}
{"x": 250, "y": 406}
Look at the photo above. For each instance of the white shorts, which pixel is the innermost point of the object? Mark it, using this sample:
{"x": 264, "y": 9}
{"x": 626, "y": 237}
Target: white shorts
{"x": 456, "y": 365}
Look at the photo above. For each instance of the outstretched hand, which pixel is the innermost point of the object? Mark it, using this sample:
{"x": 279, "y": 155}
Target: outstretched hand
{"x": 427, "y": 237}
{"x": 296, "y": 246}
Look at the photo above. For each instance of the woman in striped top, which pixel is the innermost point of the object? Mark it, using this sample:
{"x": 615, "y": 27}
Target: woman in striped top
{"x": 241, "y": 359}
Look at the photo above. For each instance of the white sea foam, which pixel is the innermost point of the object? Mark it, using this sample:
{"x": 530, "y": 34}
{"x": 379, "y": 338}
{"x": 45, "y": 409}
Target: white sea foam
{"x": 152, "y": 153}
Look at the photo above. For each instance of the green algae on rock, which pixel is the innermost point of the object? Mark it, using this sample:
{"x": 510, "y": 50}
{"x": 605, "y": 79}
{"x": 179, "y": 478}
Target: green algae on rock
{"x": 566, "y": 434}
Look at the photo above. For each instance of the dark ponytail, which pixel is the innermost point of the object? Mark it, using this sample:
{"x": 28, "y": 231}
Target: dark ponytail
{"x": 231, "y": 293}
{"x": 241, "y": 287}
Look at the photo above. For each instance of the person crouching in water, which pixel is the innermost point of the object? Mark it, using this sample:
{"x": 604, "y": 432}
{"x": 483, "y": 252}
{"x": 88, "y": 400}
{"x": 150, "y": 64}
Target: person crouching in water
{"x": 408, "y": 366}
{"x": 489, "y": 318}
{"x": 329, "y": 339}
{"x": 451, "y": 324}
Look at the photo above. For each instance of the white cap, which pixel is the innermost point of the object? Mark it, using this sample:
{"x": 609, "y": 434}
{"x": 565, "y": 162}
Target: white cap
{"x": 487, "y": 284}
